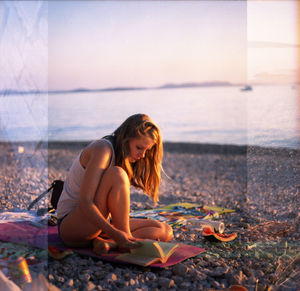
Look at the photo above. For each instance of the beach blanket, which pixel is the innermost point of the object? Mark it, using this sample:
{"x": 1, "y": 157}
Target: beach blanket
{"x": 21, "y": 215}
{"x": 31, "y": 230}
{"x": 42, "y": 237}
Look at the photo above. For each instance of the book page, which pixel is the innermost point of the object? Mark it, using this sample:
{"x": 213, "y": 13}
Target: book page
{"x": 150, "y": 252}
{"x": 167, "y": 249}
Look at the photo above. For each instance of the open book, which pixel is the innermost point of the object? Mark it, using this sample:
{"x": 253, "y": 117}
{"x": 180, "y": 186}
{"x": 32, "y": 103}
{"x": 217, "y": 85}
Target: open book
{"x": 149, "y": 252}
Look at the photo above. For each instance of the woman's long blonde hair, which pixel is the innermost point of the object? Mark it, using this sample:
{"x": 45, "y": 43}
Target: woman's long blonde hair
{"x": 145, "y": 172}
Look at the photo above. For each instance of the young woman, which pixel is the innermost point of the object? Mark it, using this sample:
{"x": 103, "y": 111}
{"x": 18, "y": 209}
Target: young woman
{"x": 98, "y": 188}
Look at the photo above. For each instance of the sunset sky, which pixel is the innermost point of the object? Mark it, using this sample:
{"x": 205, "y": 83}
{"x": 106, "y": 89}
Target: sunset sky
{"x": 100, "y": 44}
{"x": 146, "y": 43}
{"x": 273, "y": 43}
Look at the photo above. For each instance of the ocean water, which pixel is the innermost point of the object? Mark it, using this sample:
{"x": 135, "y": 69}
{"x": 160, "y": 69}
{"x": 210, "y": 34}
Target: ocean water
{"x": 265, "y": 116}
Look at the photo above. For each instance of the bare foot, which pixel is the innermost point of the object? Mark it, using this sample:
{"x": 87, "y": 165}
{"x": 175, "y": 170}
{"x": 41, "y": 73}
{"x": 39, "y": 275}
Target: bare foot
{"x": 103, "y": 246}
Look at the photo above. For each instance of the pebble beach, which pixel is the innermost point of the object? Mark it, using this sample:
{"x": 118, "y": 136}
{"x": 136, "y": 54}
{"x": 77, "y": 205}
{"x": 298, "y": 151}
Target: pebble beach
{"x": 260, "y": 184}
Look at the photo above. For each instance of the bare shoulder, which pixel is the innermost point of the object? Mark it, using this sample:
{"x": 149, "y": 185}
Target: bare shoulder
{"x": 97, "y": 150}
{"x": 100, "y": 144}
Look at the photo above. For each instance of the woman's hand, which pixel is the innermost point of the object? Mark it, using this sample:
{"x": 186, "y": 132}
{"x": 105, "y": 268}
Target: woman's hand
{"x": 125, "y": 241}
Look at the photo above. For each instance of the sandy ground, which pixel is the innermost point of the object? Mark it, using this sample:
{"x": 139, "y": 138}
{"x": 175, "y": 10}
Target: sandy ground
{"x": 261, "y": 184}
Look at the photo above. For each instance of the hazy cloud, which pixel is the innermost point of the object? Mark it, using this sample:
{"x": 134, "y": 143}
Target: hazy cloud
{"x": 275, "y": 77}
{"x": 269, "y": 44}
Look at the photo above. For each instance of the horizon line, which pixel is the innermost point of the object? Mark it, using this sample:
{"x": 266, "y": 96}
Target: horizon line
{"x": 132, "y": 88}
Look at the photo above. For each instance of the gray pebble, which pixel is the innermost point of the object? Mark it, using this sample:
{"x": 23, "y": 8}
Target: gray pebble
{"x": 83, "y": 262}
{"x": 248, "y": 272}
{"x": 111, "y": 277}
{"x": 150, "y": 276}
{"x": 165, "y": 282}
{"x": 215, "y": 284}
{"x": 90, "y": 286}
{"x": 132, "y": 282}
{"x": 218, "y": 272}
{"x": 185, "y": 285}
{"x": 70, "y": 283}
{"x": 85, "y": 277}
{"x": 180, "y": 269}
{"x": 178, "y": 279}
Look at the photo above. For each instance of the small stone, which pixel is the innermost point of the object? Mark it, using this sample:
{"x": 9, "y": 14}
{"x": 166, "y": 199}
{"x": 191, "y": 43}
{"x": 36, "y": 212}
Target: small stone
{"x": 149, "y": 276}
{"x": 218, "y": 272}
{"x": 50, "y": 277}
{"x": 165, "y": 282}
{"x": 215, "y": 284}
{"x": 177, "y": 279}
{"x": 70, "y": 283}
{"x": 127, "y": 276}
{"x": 192, "y": 236}
{"x": 100, "y": 274}
{"x": 259, "y": 273}
{"x": 252, "y": 280}
{"x": 90, "y": 286}
{"x": 201, "y": 276}
{"x": 111, "y": 277}
{"x": 232, "y": 279}
{"x": 60, "y": 279}
{"x": 180, "y": 269}
{"x": 202, "y": 263}
{"x": 84, "y": 277}
{"x": 144, "y": 288}
{"x": 223, "y": 283}
{"x": 185, "y": 285}
{"x": 166, "y": 273}
{"x": 83, "y": 262}
{"x": 248, "y": 272}
{"x": 99, "y": 263}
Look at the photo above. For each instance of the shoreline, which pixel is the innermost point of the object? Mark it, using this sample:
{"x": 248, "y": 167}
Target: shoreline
{"x": 172, "y": 147}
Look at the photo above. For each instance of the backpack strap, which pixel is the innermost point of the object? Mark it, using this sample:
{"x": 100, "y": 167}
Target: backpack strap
{"x": 57, "y": 190}
{"x": 57, "y": 187}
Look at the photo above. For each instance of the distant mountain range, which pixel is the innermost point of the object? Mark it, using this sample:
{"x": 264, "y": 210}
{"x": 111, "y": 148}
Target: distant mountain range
{"x": 80, "y": 90}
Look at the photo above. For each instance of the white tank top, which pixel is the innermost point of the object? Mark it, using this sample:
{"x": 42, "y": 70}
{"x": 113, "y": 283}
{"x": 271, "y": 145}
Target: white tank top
{"x": 70, "y": 195}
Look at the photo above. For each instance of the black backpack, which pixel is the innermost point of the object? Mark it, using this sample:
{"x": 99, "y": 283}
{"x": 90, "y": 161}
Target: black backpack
{"x": 57, "y": 188}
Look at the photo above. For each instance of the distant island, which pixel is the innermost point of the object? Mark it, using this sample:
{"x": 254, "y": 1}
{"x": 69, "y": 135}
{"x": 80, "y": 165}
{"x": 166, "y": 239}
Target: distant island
{"x": 192, "y": 85}
{"x": 81, "y": 90}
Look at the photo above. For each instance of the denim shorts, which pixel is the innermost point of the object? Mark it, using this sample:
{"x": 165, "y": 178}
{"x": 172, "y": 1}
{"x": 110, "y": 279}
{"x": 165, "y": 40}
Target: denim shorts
{"x": 59, "y": 221}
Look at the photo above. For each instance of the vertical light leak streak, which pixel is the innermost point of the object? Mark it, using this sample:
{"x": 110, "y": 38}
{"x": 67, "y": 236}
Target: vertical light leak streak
{"x": 23, "y": 117}
{"x": 298, "y": 69}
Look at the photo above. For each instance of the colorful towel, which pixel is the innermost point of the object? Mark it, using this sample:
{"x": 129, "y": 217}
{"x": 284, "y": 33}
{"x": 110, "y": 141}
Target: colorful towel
{"x": 22, "y": 232}
{"x": 177, "y": 215}
{"x": 32, "y": 255}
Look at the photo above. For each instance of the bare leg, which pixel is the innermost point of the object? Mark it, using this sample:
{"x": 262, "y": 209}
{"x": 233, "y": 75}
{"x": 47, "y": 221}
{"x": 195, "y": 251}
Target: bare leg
{"x": 117, "y": 202}
{"x": 151, "y": 229}
{"x": 113, "y": 192}
{"x": 112, "y": 197}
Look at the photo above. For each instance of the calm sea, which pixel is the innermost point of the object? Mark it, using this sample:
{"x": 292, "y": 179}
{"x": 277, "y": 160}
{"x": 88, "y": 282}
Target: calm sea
{"x": 265, "y": 116}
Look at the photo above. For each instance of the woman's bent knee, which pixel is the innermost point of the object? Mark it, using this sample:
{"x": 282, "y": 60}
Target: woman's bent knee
{"x": 168, "y": 233}
{"x": 118, "y": 175}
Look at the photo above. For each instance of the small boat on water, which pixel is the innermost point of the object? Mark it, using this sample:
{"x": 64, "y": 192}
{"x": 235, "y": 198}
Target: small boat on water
{"x": 247, "y": 88}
